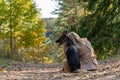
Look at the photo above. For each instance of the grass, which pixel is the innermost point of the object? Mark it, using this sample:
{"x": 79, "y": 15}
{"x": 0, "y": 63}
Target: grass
{"x": 5, "y": 62}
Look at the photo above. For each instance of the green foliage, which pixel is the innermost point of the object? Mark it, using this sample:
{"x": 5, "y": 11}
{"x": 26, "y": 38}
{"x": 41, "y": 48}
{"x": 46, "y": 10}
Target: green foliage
{"x": 102, "y": 26}
{"x": 98, "y": 20}
{"x": 5, "y": 62}
{"x": 56, "y": 54}
{"x": 69, "y": 14}
{"x": 22, "y": 31}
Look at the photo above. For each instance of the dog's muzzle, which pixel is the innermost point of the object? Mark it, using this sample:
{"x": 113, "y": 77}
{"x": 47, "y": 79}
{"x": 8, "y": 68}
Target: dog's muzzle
{"x": 58, "y": 42}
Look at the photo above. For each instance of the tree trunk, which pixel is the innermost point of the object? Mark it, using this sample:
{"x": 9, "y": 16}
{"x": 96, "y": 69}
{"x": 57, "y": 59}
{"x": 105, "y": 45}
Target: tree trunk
{"x": 10, "y": 26}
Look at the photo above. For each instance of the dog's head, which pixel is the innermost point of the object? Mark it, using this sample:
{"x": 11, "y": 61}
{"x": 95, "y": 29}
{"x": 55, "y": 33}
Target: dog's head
{"x": 62, "y": 38}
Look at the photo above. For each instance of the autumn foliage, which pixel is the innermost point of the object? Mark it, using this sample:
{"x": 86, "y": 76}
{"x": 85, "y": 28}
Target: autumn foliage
{"x": 22, "y": 31}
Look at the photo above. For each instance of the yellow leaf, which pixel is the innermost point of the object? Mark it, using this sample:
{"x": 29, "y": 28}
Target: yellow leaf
{"x": 2, "y": 70}
{"x": 45, "y": 58}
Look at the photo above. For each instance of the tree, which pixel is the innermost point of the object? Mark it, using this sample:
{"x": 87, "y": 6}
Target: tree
{"x": 69, "y": 14}
{"x": 20, "y": 22}
{"x": 98, "y": 20}
{"x": 102, "y": 26}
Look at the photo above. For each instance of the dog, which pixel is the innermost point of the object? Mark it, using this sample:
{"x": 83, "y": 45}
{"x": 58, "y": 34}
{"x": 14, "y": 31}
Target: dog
{"x": 72, "y": 58}
{"x": 86, "y": 52}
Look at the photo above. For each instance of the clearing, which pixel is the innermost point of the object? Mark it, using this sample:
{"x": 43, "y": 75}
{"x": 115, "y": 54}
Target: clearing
{"x": 107, "y": 70}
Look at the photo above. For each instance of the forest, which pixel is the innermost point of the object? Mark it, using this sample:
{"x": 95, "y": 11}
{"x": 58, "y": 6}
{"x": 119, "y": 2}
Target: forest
{"x": 26, "y": 37}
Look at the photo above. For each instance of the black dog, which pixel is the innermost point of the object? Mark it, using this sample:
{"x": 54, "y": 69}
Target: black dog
{"x": 71, "y": 52}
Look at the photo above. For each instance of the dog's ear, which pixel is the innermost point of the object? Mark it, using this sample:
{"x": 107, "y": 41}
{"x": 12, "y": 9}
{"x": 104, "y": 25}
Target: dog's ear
{"x": 65, "y": 32}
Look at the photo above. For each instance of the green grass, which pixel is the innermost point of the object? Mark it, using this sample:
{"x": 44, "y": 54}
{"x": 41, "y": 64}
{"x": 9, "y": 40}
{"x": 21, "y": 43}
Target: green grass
{"x": 5, "y": 62}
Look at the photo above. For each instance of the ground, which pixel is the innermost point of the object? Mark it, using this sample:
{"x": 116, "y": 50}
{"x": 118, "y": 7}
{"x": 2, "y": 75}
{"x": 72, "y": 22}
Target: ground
{"x": 107, "y": 70}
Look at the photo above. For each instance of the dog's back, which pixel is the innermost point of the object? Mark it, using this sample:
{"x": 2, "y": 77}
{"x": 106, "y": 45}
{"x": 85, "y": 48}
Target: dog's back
{"x": 72, "y": 56}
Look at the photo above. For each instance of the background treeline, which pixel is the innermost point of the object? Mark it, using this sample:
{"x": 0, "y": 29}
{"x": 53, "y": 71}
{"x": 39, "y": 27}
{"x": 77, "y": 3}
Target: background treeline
{"x": 25, "y": 36}
{"x": 98, "y": 20}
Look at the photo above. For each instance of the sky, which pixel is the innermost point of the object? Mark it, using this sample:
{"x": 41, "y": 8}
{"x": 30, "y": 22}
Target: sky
{"x": 46, "y": 6}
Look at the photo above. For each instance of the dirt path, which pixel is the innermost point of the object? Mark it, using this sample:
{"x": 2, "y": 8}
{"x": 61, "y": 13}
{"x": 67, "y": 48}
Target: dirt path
{"x": 108, "y": 70}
